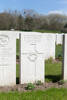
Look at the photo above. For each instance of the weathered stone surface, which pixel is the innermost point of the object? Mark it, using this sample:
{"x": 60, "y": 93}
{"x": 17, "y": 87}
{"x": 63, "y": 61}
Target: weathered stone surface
{"x": 34, "y": 49}
{"x": 59, "y": 38}
{"x": 7, "y": 58}
{"x": 64, "y": 69}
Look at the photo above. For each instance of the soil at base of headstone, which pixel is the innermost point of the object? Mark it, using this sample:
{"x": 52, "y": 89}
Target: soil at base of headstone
{"x": 45, "y": 86}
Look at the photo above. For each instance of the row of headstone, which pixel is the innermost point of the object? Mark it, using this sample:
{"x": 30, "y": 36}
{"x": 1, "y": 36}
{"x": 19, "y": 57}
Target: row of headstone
{"x": 59, "y": 38}
{"x": 34, "y": 49}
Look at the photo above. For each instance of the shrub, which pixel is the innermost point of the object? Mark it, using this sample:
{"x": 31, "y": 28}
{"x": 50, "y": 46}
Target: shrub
{"x": 17, "y": 56}
{"x": 30, "y": 86}
{"x": 59, "y": 52}
{"x": 38, "y": 82}
{"x": 60, "y": 57}
{"x": 50, "y": 59}
{"x": 61, "y": 82}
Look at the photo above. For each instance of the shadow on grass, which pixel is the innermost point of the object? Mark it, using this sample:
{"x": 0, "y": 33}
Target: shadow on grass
{"x": 17, "y": 80}
{"x": 49, "y": 78}
{"x": 53, "y": 78}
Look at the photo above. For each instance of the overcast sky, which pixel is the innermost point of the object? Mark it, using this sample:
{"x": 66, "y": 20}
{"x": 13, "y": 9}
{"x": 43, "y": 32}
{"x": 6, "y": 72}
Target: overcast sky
{"x": 41, "y": 6}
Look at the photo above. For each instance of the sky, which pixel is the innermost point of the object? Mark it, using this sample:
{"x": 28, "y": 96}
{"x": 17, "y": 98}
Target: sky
{"x": 40, "y": 6}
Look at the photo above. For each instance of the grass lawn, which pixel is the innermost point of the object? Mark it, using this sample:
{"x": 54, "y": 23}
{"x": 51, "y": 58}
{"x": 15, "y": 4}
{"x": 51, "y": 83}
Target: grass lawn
{"x": 58, "y": 50}
{"x": 53, "y": 71}
{"x": 17, "y": 73}
{"x": 47, "y": 31}
{"x": 51, "y": 94}
{"x": 17, "y": 47}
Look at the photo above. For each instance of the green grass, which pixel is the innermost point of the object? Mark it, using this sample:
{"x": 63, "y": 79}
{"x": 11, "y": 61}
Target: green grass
{"x": 50, "y": 94}
{"x": 17, "y": 70}
{"x": 53, "y": 71}
{"x": 17, "y": 65}
{"x": 17, "y": 47}
{"x": 17, "y": 73}
{"x": 58, "y": 50}
{"x": 47, "y": 31}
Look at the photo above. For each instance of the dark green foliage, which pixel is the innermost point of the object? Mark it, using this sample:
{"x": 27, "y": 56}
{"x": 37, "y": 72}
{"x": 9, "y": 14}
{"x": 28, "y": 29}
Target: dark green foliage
{"x": 39, "y": 82}
{"x": 59, "y": 52}
{"x": 61, "y": 82}
{"x": 30, "y": 21}
{"x": 17, "y": 48}
{"x": 20, "y": 23}
{"x": 17, "y": 57}
{"x": 29, "y": 24}
{"x": 30, "y": 86}
{"x": 65, "y": 26}
{"x": 60, "y": 57}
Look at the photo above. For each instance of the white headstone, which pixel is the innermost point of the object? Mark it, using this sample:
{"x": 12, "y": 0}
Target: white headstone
{"x": 7, "y": 58}
{"x": 35, "y": 48}
{"x": 32, "y": 60}
{"x": 17, "y": 34}
{"x": 49, "y": 45}
{"x": 64, "y": 69}
{"x": 59, "y": 39}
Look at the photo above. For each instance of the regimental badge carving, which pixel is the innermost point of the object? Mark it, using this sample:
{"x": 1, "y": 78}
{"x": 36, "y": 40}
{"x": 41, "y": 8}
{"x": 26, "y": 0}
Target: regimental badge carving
{"x": 3, "y": 40}
{"x": 32, "y": 57}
